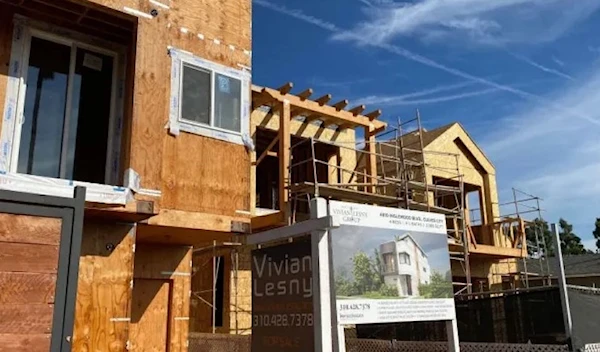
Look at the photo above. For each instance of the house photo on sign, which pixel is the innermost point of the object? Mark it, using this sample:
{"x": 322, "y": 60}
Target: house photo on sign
{"x": 390, "y": 265}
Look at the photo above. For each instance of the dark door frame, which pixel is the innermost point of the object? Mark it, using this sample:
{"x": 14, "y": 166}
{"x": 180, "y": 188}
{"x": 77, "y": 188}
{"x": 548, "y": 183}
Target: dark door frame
{"x": 70, "y": 211}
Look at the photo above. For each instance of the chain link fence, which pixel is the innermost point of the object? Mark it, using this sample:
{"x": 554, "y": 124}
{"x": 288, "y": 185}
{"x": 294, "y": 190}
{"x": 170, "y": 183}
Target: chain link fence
{"x": 367, "y": 345}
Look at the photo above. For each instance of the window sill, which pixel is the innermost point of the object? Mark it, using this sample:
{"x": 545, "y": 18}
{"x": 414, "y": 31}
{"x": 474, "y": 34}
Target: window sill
{"x": 210, "y": 132}
{"x": 97, "y": 193}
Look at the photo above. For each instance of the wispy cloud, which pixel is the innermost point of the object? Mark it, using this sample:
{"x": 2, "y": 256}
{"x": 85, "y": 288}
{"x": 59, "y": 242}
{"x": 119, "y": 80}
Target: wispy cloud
{"x": 558, "y": 61}
{"x": 390, "y": 99}
{"x": 553, "y": 155}
{"x": 540, "y": 66}
{"x": 319, "y": 82}
{"x": 397, "y": 50}
{"x": 487, "y": 22}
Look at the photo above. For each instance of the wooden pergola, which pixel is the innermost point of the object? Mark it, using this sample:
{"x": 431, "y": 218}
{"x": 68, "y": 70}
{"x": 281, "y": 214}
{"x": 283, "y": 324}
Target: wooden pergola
{"x": 314, "y": 109}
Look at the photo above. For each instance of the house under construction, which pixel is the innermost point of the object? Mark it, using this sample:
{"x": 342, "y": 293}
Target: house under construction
{"x": 150, "y": 106}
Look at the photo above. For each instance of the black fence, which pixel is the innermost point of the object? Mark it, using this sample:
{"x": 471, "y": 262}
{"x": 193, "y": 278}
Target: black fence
{"x": 518, "y": 317}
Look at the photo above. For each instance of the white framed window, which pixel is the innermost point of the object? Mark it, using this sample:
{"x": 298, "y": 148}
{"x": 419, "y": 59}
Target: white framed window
{"x": 209, "y": 99}
{"x": 403, "y": 258}
{"x": 63, "y": 110}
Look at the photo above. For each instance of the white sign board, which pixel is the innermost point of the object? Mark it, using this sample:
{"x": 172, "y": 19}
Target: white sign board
{"x": 390, "y": 265}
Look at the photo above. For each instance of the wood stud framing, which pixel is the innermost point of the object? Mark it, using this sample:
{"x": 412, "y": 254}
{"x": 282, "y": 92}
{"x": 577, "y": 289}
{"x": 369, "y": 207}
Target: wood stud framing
{"x": 317, "y": 109}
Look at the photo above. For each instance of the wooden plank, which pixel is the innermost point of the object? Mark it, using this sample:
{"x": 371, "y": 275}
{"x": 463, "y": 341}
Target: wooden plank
{"x": 284, "y": 157}
{"x": 148, "y": 330}
{"x": 29, "y": 229}
{"x": 267, "y": 221}
{"x": 318, "y": 106}
{"x": 267, "y": 150}
{"x": 357, "y": 109}
{"x": 25, "y": 342}
{"x": 371, "y": 157}
{"x": 26, "y": 318}
{"x": 340, "y": 104}
{"x": 175, "y": 265}
{"x": 25, "y": 257}
{"x": 195, "y": 220}
{"x": 305, "y": 94}
{"x": 104, "y": 287}
{"x": 31, "y": 288}
{"x": 286, "y": 88}
{"x": 151, "y": 92}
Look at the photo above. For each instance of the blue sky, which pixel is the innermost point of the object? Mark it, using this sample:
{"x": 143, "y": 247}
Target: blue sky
{"x": 522, "y": 76}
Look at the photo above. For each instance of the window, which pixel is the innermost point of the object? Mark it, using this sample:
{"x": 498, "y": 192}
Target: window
{"x": 403, "y": 258}
{"x": 66, "y": 109}
{"x": 389, "y": 266}
{"x": 209, "y": 99}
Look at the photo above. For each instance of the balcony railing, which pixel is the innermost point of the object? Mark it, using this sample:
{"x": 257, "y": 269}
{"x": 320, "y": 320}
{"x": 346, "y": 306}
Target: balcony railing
{"x": 505, "y": 235}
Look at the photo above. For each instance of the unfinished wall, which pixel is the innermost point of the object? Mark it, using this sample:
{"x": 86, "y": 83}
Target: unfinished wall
{"x": 161, "y": 268}
{"x": 236, "y": 293}
{"x": 104, "y": 288}
{"x": 183, "y": 168}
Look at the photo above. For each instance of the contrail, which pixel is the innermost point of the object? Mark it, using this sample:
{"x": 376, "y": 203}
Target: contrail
{"x": 420, "y": 59}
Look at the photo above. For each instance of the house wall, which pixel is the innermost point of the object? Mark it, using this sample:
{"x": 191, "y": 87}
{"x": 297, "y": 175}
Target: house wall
{"x": 181, "y": 167}
{"x": 418, "y": 269}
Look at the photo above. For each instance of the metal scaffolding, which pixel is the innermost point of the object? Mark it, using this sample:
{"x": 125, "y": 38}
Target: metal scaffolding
{"x": 402, "y": 180}
{"x": 215, "y": 261}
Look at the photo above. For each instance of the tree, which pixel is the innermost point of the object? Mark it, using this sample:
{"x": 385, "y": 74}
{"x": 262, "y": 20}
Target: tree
{"x": 543, "y": 235}
{"x": 570, "y": 243}
{"x": 366, "y": 277}
{"x": 438, "y": 287}
{"x": 596, "y": 233}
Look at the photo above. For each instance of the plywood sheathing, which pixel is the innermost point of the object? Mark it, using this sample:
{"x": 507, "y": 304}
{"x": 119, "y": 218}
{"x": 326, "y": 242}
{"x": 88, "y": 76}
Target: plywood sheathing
{"x": 183, "y": 167}
{"x": 104, "y": 287}
{"x": 174, "y": 265}
{"x": 28, "y": 269}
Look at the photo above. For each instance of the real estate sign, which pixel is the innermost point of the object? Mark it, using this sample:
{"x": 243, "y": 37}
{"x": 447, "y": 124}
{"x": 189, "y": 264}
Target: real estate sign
{"x": 390, "y": 265}
{"x": 282, "y": 298}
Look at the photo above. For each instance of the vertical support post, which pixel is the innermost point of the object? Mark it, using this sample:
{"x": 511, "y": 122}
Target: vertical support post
{"x": 452, "y": 333}
{"x": 372, "y": 157}
{"x": 562, "y": 285}
{"x": 323, "y": 319}
{"x": 214, "y": 286}
{"x": 341, "y": 334}
{"x": 284, "y": 158}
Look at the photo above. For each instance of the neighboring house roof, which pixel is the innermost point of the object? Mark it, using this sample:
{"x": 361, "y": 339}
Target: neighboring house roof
{"x": 575, "y": 265}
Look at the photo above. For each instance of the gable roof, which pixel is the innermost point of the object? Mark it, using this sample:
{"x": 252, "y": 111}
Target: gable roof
{"x": 408, "y": 235}
{"x": 575, "y": 265}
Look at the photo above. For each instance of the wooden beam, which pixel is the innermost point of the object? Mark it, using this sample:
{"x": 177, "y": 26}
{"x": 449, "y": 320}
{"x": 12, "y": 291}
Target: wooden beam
{"x": 305, "y": 94}
{"x": 324, "y": 99}
{"x": 312, "y": 118}
{"x": 266, "y": 151}
{"x": 371, "y": 157}
{"x": 343, "y": 127}
{"x": 357, "y": 110}
{"x": 260, "y": 99}
{"x": 193, "y": 220}
{"x": 340, "y": 105}
{"x": 286, "y": 88}
{"x": 318, "y": 107}
{"x": 284, "y": 157}
{"x": 373, "y": 114}
{"x": 273, "y": 154}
